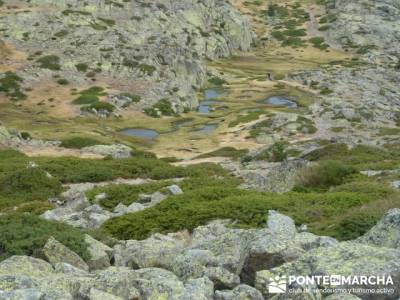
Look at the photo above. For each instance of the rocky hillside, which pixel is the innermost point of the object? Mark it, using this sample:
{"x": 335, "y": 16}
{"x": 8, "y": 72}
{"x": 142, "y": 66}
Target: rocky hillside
{"x": 154, "y": 50}
{"x": 117, "y": 183}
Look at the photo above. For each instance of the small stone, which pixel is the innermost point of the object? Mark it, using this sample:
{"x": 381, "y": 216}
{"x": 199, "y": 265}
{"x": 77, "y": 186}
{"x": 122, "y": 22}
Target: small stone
{"x": 175, "y": 190}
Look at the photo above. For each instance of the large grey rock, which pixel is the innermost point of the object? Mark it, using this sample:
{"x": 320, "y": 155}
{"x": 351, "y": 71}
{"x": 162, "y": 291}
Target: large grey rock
{"x": 100, "y": 295}
{"x": 199, "y": 289}
{"x": 346, "y": 259}
{"x": 55, "y": 252}
{"x": 68, "y": 269}
{"x": 25, "y": 265}
{"x": 25, "y": 294}
{"x": 156, "y": 251}
{"x": 99, "y": 254}
{"x": 222, "y": 278}
{"x": 159, "y": 284}
{"x": 280, "y": 224}
{"x": 117, "y": 151}
{"x": 191, "y": 263}
{"x": 386, "y": 233}
{"x": 240, "y": 292}
{"x": 229, "y": 246}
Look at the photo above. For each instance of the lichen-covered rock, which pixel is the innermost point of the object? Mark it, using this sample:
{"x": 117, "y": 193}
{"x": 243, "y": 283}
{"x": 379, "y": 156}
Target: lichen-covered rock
{"x": 156, "y": 251}
{"x": 199, "y": 289}
{"x": 100, "y": 295}
{"x": 99, "y": 254}
{"x": 55, "y": 252}
{"x": 117, "y": 151}
{"x": 229, "y": 246}
{"x": 68, "y": 269}
{"x": 240, "y": 292}
{"x": 280, "y": 224}
{"x": 222, "y": 278}
{"x": 25, "y": 265}
{"x": 23, "y": 294}
{"x": 346, "y": 259}
{"x": 386, "y": 233}
{"x": 159, "y": 284}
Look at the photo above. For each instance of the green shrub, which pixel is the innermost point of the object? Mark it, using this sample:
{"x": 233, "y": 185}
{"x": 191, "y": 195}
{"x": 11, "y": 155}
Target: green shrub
{"x": 89, "y": 96}
{"x": 99, "y": 106}
{"x": 217, "y": 81}
{"x": 354, "y": 226}
{"x": 247, "y": 208}
{"x": 51, "y": 62}
{"x": 26, "y": 234}
{"x": 62, "y": 81}
{"x": 79, "y": 142}
{"x": 162, "y": 107}
{"x": 324, "y": 175}
{"x": 82, "y": 67}
{"x": 226, "y": 152}
{"x": 10, "y": 84}
{"x": 30, "y": 184}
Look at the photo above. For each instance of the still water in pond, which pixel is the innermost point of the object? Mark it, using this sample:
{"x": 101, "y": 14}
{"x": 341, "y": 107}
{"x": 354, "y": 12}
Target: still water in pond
{"x": 280, "y": 101}
{"x": 209, "y": 96}
{"x": 208, "y": 128}
{"x": 140, "y": 133}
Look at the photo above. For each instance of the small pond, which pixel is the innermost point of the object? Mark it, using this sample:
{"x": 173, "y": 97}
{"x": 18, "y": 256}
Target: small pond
{"x": 143, "y": 133}
{"x": 281, "y": 101}
{"x": 205, "y": 129}
{"x": 209, "y": 96}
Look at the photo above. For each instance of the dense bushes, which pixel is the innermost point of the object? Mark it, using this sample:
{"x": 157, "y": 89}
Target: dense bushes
{"x": 361, "y": 157}
{"x": 79, "y": 142}
{"x": 29, "y": 184}
{"x": 247, "y": 208}
{"x": 324, "y": 175}
{"x": 26, "y": 234}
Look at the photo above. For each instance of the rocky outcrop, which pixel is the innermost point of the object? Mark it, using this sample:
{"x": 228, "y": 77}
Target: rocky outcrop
{"x": 216, "y": 262}
{"x": 371, "y": 24}
{"x": 75, "y": 209}
{"x": 386, "y": 233}
{"x": 267, "y": 176}
{"x": 55, "y": 252}
{"x": 152, "y": 49}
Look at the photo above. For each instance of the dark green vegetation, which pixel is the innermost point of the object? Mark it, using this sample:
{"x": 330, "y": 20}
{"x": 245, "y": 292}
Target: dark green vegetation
{"x": 288, "y": 21}
{"x": 10, "y": 84}
{"x": 226, "y": 152}
{"x": 79, "y": 142}
{"x": 161, "y": 108}
{"x": 90, "y": 99}
{"x": 331, "y": 197}
{"x": 51, "y": 62}
{"x": 26, "y": 234}
{"x": 90, "y": 96}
